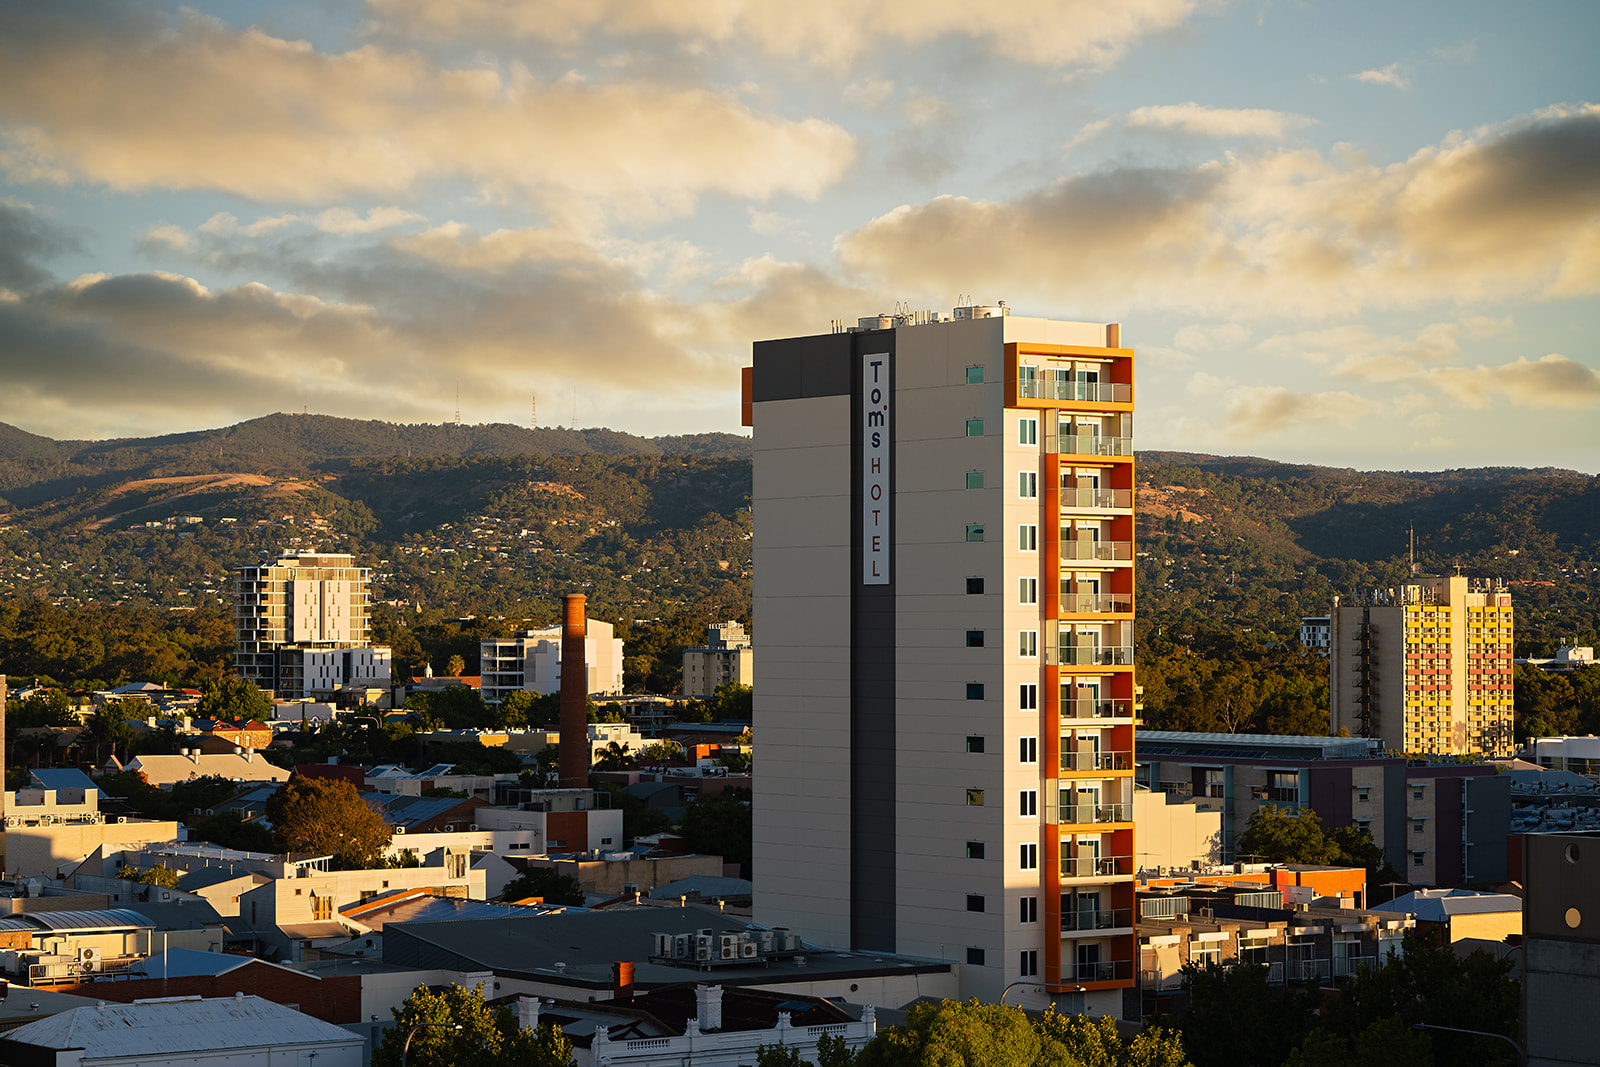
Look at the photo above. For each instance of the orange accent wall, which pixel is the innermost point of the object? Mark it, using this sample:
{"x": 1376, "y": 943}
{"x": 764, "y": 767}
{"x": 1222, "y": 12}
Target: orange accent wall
{"x": 569, "y": 826}
{"x": 747, "y": 396}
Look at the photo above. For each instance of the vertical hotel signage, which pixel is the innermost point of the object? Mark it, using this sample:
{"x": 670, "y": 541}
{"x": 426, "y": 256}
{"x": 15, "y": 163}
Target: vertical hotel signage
{"x": 875, "y": 484}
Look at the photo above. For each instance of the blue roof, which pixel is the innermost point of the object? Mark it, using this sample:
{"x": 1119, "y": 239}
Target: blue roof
{"x": 191, "y": 963}
{"x": 705, "y": 886}
{"x": 59, "y": 778}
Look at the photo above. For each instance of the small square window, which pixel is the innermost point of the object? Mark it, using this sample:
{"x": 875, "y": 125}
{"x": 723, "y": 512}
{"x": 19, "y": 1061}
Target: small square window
{"x": 974, "y": 375}
{"x": 1028, "y": 750}
{"x": 974, "y": 850}
{"x": 1416, "y": 859}
{"x": 1416, "y": 794}
{"x": 1416, "y": 826}
{"x": 975, "y": 957}
{"x": 974, "y": 479}
{"x": 974, "y": 742}
{"x": 974, "y": 586}
{"x": 974, "y": 427}
{"x": 974, "y": 902}
{"x": 1363, "y": 795}
{"x": 974, "y": 798}
{"x": 974, "y": 638}
{"x": 974, "y": 690}
{"x": 974, "y": 531}
{"x": 1028, "y": 484}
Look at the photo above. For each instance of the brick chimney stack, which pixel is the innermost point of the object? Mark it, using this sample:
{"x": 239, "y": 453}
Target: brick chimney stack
{"x": 574, "y": 761}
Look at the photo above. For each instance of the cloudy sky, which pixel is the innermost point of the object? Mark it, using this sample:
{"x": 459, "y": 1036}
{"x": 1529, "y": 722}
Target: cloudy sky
{"x": 1336, "y": 231}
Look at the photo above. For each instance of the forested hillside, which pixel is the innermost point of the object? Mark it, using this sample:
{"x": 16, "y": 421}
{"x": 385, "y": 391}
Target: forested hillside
{"x": 478, "y": 529}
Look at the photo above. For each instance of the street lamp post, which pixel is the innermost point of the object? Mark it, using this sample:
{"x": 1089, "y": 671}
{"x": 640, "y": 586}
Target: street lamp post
{"x": 1522, "y": 1057}
{"x": 405, "y": 1049}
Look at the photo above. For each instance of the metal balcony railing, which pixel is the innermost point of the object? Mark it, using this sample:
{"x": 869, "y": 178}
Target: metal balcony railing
{"x": 1154, "y": 979}
{"x": 1088, "y": 392}
{"x": 1305, "y": 970}
{"x": 1096, "y": 761}
{"x": 1082, "y": 708}
{"x": 1095, "y": 655}
{"x": 1098, "y": 919}
{"x": 1347, "y": 967}
{"x": 1100, "y": 551}
{"x": 1093, "y": 444}
{"x": 1103, "y": 499}
{"x": 1109, "y": 971}
{"x": 1085, "y": 814}
{"x": 1089, "y": 866}
{"x": 1085, "y": 603}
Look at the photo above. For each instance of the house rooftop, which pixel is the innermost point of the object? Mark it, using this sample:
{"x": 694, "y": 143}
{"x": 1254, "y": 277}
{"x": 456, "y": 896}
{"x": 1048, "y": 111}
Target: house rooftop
{"x": 178, "y": 1027}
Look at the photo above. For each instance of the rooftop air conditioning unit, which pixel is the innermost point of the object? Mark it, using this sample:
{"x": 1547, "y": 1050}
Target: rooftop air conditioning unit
{"x": 122, "y": 818}
{"x": 702, "y": 953}
{"x": 682, "y": 948}
{"x": 749, "y": 950}
{"x": 663, "y": 946}
{"x": 89, "y": 956}
{"x": 399, "y": 829}
{"x": 474, "y": 826}
{"x": 730, "y": 952}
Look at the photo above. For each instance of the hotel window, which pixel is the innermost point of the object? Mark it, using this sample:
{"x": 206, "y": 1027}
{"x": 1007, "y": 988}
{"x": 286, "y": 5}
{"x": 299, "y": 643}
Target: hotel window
{"x": 974, "y": 638}
{"x": 1416, "y": 859}
{"x": 1028, "y": 803}
{"x": 974, "y": 427}
{"x": 1030, "y": 909}
{"x": 1028, "y": 590}
{"x": 974, "y": 586}
{"x": 1027, "y": 431}
{"x": 1028, "y": 696}
{"x": 1416, "y": 826}
{"x": 1030, "y": 962}
{"x": 974, "y": 531}
{"x": 1028, "y": 537}
{"x": 974, "y": 850}
{"x": 1030, "y": 857}
{"x": 1028, "y": 484}
{"x": 974, "y": 690}
{"x": 974, "y": 742}
{"x": 974, "y": 798}
{"x": 1284, "y": 786}
{"x": 1027, "y": 750}
{"x": 1028, "y": 643}
{"x": 974, "y": 479}
{"x": 974, "y": 902}
{"x": 974, "y": 375}
{"x": 975, "y": 957}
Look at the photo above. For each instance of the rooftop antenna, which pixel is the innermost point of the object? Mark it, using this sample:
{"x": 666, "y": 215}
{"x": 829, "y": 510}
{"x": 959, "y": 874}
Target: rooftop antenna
{"x": 458, "y": 401}
{"x": 533, "y": 413}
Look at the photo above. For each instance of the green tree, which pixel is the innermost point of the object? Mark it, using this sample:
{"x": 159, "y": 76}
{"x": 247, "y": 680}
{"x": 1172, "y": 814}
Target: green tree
{"x": 157, "y": 875}
{"x": 639, "y": 819}
{"x": 327, "y": 816}
{"x": 108, "y": 728}
{"x": 614, "y": 758}
{"x": 234, "y": 698}
{"x": 780, "y": 1056}
{"x": 546, "y": 882}
{"x": 832, "y": 1051}
{"x": 720, "y": 824}
{"x": 956, "y": 1034}
{"x": 732, "y": 701}
{"x": 455, "y": 667}
{"x": 1276, "y": 835}
{"x": 516, "y": 711}
{"x": 483, "y": 1035}
{"x": 1236, "y": 1019}
{"x": 1097, "y": 1042}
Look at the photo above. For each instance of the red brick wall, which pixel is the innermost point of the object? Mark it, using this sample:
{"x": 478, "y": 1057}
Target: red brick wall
{"x": 333, "y": 1000}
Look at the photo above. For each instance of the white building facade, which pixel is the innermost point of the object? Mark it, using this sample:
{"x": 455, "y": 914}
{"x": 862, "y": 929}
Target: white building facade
{"x": 531, "y": 661}
{"x": 944, "y": 585}
{"x": 727, "y": 658}
{"x": 301, "y": 626}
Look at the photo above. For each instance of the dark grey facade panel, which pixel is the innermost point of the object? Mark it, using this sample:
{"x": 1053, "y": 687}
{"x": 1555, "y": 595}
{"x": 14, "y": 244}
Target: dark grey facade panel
{"x": 798, "y": 367}
{"x": 873, "y": 895}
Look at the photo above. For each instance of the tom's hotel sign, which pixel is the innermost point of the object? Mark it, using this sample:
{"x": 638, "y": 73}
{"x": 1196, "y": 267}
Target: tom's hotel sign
{"x": 875, "y": 488}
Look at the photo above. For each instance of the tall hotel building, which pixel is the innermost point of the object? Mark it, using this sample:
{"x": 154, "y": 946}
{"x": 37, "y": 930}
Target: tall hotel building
{"x": 1425, "y": 666}
{"x": 301, "y": 626}
{"x": 944, "y": 592}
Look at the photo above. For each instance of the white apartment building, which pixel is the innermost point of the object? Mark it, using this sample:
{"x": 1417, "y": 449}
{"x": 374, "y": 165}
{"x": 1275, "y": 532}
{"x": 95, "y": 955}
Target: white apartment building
{"x": 532, "y": 661}
{"x": 1315, "y": 632}
{"x": 944, "y": 585}
{"x": 727, "y": 658}
{"x": 301, "y": 626}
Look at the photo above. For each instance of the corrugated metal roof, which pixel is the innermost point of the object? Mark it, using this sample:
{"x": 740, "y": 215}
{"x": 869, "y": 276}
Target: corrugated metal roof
{"x": 62, "y": 778}
{"x": 111, "y": 919}
{"x": 181, "y": 1026}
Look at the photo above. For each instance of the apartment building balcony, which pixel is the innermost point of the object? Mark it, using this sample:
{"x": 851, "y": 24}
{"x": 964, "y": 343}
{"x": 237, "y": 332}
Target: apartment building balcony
{"x": 1096, "y": 761}
{"x": 1081, "y": 865}
{"x": 1088, "y": 655}
{"x": 1089, "y": 550}
{"x": 1154, "y": 980}
{"x": 1087, "y": 708}
{"x": 1349, "y": 966}
{"x": 1093, "y": 444}
{"x": 1034, "y": 388}
{"x": 1103, "y": 971}
{"x": 1090, "y": 814}
{"x": 1088, "y": 498}
{"x": 1103, "y": 921}
{"x": 1096, "y": 603}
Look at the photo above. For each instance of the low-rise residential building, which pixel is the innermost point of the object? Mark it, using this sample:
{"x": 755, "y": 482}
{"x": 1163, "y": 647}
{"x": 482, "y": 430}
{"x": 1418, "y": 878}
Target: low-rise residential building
{"x": 167, "y": 771}
{"x": 56, "y": 823}
{"x": 727, "y": 658}
{"x": 531, "y": 662}
{"x": 1177, "y": 832}
{"x": 1316, "y": 632}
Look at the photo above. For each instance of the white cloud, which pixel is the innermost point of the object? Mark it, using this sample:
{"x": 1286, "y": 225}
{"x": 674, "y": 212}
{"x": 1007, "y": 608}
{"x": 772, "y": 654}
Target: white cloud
{"x": 1553, "y": 381}
{"x": 1216, "y": 121}
{"x": 1391, "y": 75}
{"x": 204, "y": 107}
{"x": 1208, "y": 338}
{"x": 870, "y": 93}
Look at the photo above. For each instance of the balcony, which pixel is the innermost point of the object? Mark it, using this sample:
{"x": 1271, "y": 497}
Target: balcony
{"x": 1102, "y": 919}
{"x": 1096, "y": 655}
{"x": 1086, "y": 814}
{"x": 1087, "y": 865}
{"x": 1085, "y": 708}
{"x": 1110, "y": 971}
{"x": 1089, "y": 603}
{"x": 1093, "y": 444}
{"x": 1096, "y": 761}
{"x": 1099, "y": 551}
{"x": 1350, "y": 965}
{"x": 1085, "y": 392}
{"x": 1154, "y": 980}
{"x": 1073, "y": 496}
{"x": 1307, "y": 970}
